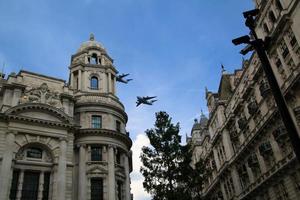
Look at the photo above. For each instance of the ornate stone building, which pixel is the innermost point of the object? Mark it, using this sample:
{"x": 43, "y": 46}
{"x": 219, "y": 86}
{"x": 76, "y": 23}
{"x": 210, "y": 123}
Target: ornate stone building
{"x": 244, "y": 142}
{"x": 65, "y": 141}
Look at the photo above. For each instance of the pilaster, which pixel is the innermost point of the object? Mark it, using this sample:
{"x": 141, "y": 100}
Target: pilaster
{"x": 6, "y": 166}
{"x": 61, "y": 171}
{"x": 111, "y": 173}
{"x": 20, "y": 185}
{"x": 82, "y": 173}
{"x": 127, "y": 179}
{"x": 41, "y": 186}
{"x": 236, "y": 181}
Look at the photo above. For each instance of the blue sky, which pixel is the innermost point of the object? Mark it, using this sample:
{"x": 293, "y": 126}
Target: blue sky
{"x": 172, "y": 49}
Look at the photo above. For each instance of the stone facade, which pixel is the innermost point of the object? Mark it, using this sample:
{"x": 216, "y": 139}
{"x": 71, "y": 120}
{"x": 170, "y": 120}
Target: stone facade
{"x": 65, "y": 141}
{"x": 244, "y": 142}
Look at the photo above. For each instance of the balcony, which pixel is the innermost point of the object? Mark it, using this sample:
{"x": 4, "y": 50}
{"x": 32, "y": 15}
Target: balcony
{"x": 99, "y": 99}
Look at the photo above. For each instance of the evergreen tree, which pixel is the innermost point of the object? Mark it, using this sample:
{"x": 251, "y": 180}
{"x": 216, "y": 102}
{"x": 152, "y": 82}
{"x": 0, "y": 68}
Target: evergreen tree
{"x": 191, "y": 177}
{"x": 166, "y": 164}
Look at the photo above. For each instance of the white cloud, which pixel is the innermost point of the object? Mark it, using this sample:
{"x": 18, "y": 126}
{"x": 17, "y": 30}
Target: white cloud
{"x": 136, "y": 177}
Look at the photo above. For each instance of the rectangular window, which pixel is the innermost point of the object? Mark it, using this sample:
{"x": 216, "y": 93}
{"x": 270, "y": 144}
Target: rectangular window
{"x": 96, "y": 121}
{"x": 96, "y": 153}
{"x": 14, "y": 186}
{"x": 34, "y": 153}
{"x": 284, "y": 49}
{"x": 278, "y": 63}
{"x": 46, "y": 186}
{"x": 30, "y": 186}
{"x": 96, "y": 189}
{"x": 118, "y": 126}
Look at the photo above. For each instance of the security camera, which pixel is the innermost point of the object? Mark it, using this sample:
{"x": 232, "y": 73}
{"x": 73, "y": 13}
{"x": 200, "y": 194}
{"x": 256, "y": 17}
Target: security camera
{"x": 241, "y": 40}
{"x": 251, "y": 13}
{"x": 247, "y": 49}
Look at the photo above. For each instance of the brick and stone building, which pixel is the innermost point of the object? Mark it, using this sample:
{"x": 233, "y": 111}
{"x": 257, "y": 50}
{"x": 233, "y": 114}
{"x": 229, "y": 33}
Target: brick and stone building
{"x": 65, "y": 140}
{"x": 244, "y": 142}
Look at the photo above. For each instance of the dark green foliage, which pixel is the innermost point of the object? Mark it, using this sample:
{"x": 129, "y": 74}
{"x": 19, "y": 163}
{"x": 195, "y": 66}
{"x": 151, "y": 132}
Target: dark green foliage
{"x": 166, "y": 164}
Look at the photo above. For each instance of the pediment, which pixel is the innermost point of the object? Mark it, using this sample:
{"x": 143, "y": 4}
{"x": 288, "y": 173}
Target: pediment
{"x": 40, "y": 115}
{"x": 39, "y": 111}
{"x": 98, "y": 169}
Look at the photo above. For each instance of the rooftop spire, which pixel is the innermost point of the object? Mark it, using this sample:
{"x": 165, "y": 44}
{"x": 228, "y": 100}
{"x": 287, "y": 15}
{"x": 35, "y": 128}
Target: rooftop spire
{"x": 202, "y": 114}
{"x": 92, "y": 37}
{"x": 223, "y": 69}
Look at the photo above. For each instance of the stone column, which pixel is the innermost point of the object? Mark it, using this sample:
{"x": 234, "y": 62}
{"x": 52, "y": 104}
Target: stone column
{"x": 111, "y": 174}
{"x": 276, "y": 149}
{"x": 109, "y": 82}
{"x": 250, "y": 173}
{"x": 72, "y": 80}
{"x": 41, "y": 186}
{"x": 20, "y": 185}
{"x": 61, "y": 171}
{"x": 79, "y": 80}
{"x": 114, "y": 88}
{"x": 127, "y": 178}
{"x": 227, "y": 144}
{"x": 262, "y": 163}
{"x": 81, "y": 173}
{"x": 223, "y": 189}
{"x": 83, "y": 85}
{"x": 236, "y": 181}
{"x": 218, "y": 165}
{"x": 6, "y": 172}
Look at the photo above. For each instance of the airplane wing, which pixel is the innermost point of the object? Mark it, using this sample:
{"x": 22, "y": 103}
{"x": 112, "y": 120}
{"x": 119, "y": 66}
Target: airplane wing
{"x": 148, "y": 98}
{"x": 138, "y": 103}
{"x": 123, "y": 75}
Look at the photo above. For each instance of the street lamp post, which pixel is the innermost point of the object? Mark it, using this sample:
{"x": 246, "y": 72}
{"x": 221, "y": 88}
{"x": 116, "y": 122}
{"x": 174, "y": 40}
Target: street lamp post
{"x": 260, "y": 47}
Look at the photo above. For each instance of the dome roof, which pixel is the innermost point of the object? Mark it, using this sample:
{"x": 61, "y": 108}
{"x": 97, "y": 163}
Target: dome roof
{"x": 91, "y": 43}
{"x": 196, "y": 126}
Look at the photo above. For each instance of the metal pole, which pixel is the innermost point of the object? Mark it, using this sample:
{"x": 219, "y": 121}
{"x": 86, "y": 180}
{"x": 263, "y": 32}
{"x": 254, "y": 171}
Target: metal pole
{"x": 284, "y": 111}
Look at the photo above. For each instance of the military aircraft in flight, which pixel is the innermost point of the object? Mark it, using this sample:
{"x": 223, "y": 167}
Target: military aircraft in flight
{"x": 145, "y": 100}
{"x": 121, "y": 78}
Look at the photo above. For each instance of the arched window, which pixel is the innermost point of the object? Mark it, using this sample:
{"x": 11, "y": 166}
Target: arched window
{"x": 94, "y": 83}
{"x": 94, "y": 59}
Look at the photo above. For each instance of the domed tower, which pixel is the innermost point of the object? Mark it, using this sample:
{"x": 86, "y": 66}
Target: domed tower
{"x": 199, "y": 129}
{"x": 102, "y": 156}
{"x": 198, "y": 134}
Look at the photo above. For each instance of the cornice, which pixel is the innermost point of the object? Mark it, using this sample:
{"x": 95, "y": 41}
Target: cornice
{"x": 39, "y": 106}
{"x": 104, "y": 132}
{"x": 38, "y": 121}
{"x": 99, "y": 66}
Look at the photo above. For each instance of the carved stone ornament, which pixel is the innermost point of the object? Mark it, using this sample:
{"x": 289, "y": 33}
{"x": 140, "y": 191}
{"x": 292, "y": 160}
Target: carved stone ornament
{"x": 252, "y": 106}
{"x": 41, "y": 94}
